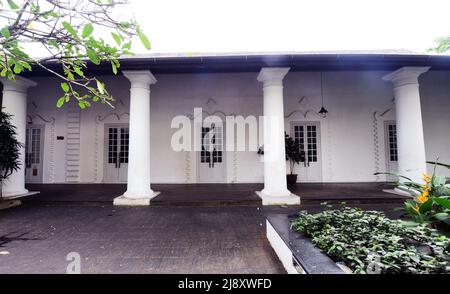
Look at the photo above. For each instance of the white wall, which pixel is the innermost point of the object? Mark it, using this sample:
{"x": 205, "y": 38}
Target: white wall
{"x": 352, "y": 135}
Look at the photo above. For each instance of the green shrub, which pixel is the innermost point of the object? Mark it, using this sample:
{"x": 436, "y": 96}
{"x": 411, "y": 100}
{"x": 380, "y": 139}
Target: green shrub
{"x": 367, "y": 241}
{"x": 431, "y": 202}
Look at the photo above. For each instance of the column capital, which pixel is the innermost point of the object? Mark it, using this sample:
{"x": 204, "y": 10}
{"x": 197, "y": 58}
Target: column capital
{"x": 272, "y": 76}
{"x": 19, "y": 84}
{"x": 140, "y": 78}
{"x": 406, "y": 75}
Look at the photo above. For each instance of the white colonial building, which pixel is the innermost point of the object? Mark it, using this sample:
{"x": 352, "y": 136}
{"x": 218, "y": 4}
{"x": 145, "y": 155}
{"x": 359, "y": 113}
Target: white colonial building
{"x": 386, "y": 112}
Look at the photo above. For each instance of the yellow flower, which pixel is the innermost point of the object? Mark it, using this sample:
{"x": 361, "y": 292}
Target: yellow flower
{"x": 422, "y": 198}
{"x": 416, "y": 208}
{"x": 426, "y": 178}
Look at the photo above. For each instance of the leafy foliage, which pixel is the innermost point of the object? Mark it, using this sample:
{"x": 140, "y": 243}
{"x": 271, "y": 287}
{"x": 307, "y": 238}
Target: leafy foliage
{"x": 66, "y": 30}
{"x": 9, "y": 147}
{"x": 355, "y": 237}
{"x": 442, "y": 45}
{"x": 292, "y": 149}
{"x": 431, "y": 203}
{"x": 293, "y": 152}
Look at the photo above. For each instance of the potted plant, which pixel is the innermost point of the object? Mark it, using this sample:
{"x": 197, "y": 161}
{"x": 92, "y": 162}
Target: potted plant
{"x": 9, "y": 149}
{"x": 294, "y": 155}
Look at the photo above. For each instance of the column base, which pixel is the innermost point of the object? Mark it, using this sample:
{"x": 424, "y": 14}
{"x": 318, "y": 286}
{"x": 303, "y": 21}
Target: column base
{"x": 125, "y": 201}
{"x": 291, "y": 199}
{"x": 15, "y": 195}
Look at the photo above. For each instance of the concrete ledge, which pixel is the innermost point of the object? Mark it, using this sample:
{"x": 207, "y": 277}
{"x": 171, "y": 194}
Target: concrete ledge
{"x": 124, "y": 201}
{"x": 278, "y": 200}
{"x": 5, "y": 204}
{"x": 296, "y": 252}
{"x": 282, "y": 251}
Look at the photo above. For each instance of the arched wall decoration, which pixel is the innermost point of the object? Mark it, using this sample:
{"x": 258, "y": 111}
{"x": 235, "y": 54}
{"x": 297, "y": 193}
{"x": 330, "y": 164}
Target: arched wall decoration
{"x": 217, "y": 113}
{"x": 303, "y": 113}
{"x": 115, "y": 114}
{"x": 376, "y": 140}
{"x": 99, "y": 119}
{"x": 211, "y": 100}
{"x": 31, "y": 118}
{"x": 300, "y": 101}
{"x": 208, "y": 103}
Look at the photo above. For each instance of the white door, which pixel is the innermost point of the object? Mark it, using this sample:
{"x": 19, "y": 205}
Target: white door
{"x": 307, "y": 134}
{"x": 211, "y": 159}
{"x": 34, "y": 146}
{"x": 116, "y": 153}
{"x": 390, "y": 131}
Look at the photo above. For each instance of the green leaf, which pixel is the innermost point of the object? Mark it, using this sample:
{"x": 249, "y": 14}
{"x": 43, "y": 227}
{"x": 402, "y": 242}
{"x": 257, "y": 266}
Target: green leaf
{"x": 53, "y": 43}
{"x": 100, "y": 87}
{"x": 425, "y": 207}
{"x": 442, "y": 201}
{"x": 12, "y": 5}
{"x": 81, "y": 104}
{"x": 144, "y": 39}
{"x": 88, "y": 29}
{"x": 440, "y": 164}
{"x": 65, "y": 87}
{"x": 51, "y": 13}
{"x": 5, "y": 32}
{"x": 442, "y": 216}
{"x": 114, "y": 67}
{"x": 93, "y": 56}
{"x": 116, "y": 38}
{"x": 78, "y": 71}
{"x": 70, "y": 29}
{"x": 60, "y": 101}
{"x": 18, "y": 68}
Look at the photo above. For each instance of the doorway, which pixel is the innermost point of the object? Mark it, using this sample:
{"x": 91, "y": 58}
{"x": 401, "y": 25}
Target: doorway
{"x": 211, "y": 157}
{"x": 34, "y": 147}
{"x": 307, "y": 134}
{"x": 116, "y": 153}
{"x": 390, "y": 133}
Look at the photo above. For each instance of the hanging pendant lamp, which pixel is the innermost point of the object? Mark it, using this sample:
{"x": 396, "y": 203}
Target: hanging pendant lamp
{"x": 323, "y": 112}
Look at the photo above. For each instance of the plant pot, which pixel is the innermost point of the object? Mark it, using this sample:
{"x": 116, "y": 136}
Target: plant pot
{"x": 291, "y": 179}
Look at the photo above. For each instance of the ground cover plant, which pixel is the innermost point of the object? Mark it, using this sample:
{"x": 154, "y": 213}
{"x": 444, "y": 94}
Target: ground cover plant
{"x": 369, "y": 242}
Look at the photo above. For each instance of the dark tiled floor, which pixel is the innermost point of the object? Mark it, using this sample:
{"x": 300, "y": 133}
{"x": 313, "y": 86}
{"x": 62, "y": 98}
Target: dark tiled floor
{"x": 215, "y": 194}
{"x": 135, "y": 240}
{"x": 112, "y": 239}
{"x": 173, "y": 239}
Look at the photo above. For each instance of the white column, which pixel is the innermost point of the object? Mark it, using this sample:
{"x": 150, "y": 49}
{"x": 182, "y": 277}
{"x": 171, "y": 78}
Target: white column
{"x": 15, "y": 103}
{"x": 275, "y": 190}
{"x": 138, "y": 181}
{"x": 410, "y": 140}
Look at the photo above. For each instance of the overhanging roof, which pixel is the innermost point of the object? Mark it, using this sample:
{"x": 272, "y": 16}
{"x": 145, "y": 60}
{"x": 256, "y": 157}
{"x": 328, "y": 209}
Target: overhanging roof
{"x": 253, "y": 62}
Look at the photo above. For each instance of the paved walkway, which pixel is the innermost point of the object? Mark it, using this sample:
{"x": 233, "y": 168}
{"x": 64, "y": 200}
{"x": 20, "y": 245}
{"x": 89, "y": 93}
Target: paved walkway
{"x": 135, "y": 240}
{"x": 159, "y": 239}
{"x": 141, "y": 240}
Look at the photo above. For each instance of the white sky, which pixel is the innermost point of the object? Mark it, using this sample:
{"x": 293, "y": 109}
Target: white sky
{"x": 291, "y": 25}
